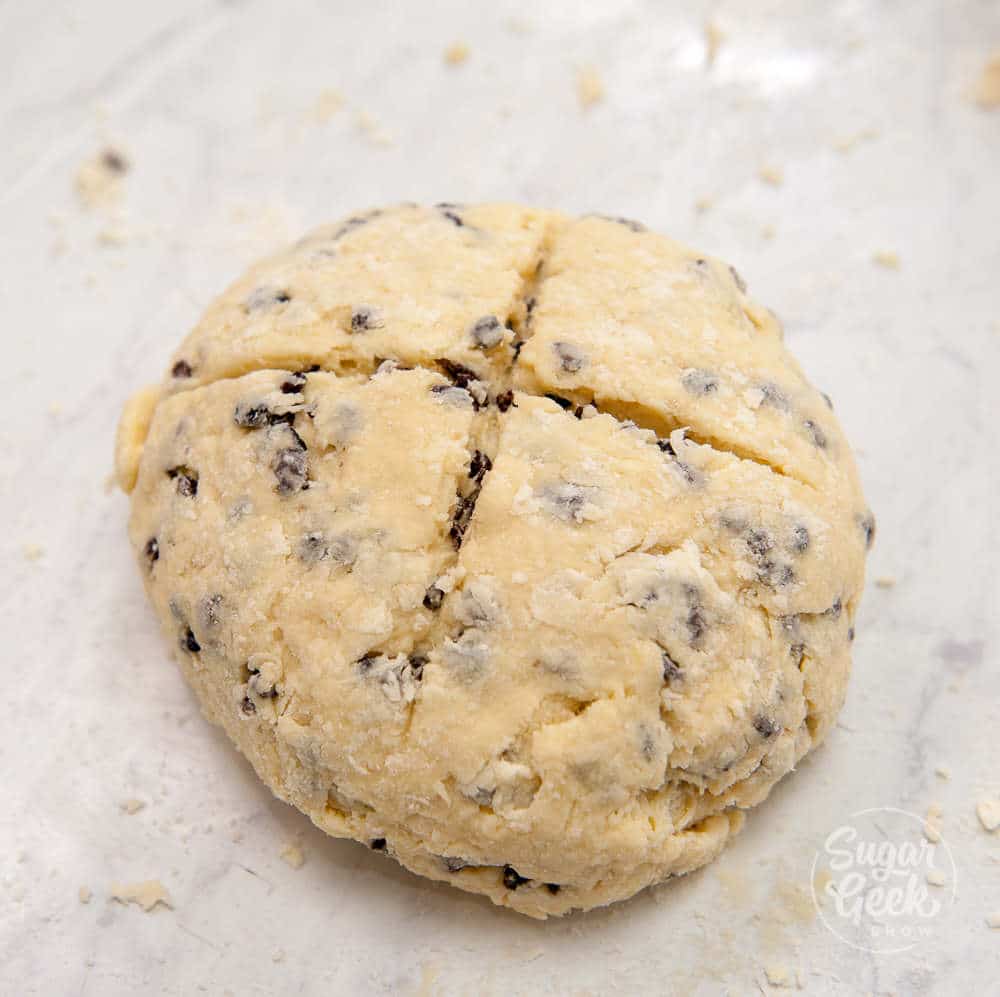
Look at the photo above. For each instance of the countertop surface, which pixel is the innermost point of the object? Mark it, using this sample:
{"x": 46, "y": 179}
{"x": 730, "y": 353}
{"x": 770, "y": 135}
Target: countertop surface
{"x": 835, "y": 152}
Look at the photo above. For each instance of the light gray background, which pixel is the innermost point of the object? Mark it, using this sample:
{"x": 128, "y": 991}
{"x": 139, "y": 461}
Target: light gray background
{"x": 215, "y": 106}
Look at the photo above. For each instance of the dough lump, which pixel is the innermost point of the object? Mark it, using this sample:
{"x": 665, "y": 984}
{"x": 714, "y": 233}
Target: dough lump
{"x": 511, "y": 544}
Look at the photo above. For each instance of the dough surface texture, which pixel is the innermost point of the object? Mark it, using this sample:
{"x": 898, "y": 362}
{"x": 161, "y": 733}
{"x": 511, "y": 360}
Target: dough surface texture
{"x": 512, "y": 544}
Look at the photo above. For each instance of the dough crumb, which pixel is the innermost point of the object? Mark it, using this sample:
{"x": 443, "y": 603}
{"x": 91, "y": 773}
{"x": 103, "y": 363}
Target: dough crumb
{"x": 886, "y": 258}
{"x": 33, "y": 552}
{"x": 132, "y": 806}
{"x": 589, "y": 87}
{"x": 779, "y": 976}
{"x": 456, "y": 53}
{"x": 993, "y": 920}
{"x": 988, "y": 812}
{"x": 932, "y": 823}
{"x": 292, "y": 854}
{"x": 84, "y": 894}
{"x": 987, "y": 90}
{"x": 772, "y": 175}
{"x": 714, "y": 38}
{"x": 942, "y": 772}
{"x": 146, "y": 894}
{"x": 328, "y": 103}
{"x": 99, "y": 180}
{"x": 768, "y": 231}
{"x": 703, "y": 204}
{"x": 278, "y": 955}
{"x": 372, "y": 130}
{"x": 885, "y": 581}
{"x": 936, "y": 877}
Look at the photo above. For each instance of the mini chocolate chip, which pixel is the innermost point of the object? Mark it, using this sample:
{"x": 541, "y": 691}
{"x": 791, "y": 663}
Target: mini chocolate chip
{"x": 452, "y": 217}
{"x": 486, "y": 332}
{"x": 152, "y": 551}
{"x": 479, "y": 466}
{"x": 797, "y": 650}
{"x": 208, "y": 611}
{"x": 563, "y": 403}
{"x": 352, "y": 223}
{"x": 453, "y": 864}
{"x": 291, "y": 469}
{"x": 800, "y": 539}
{"x": 417, "y": 663}
{"x": 553, "y": 888}
{"x": 313, "y": 548}
{"x": 529, "y": 305}
{"x": 463, "y": 516}
{"x": 867, "y": 523}
{"x": 460, "y": 375}
{"x": 190, "y": 642}
{"x": 773, "y": 395}
{"x": 667, "y": 447}
{"x": 505, "y": 400}
{"x": 377, "y": 844}
{"x": 700, "y": 382}
{"x": 775, "y": 574}
{"x": 365, "y": 663}
{"x": 850, "y": 633}
{"x": 671, "y": 670}
{"x": 364, "y": 318}
{"x": 835, "y": 610}
{"x": 827, "y": 399}
{"x": 433, "y": 598}
{"x": 512, "y": 879}
{"x": 818, "y": 436}
{"x": 181, "y": 369}
{"x": 297, "y": 442}
{"x": 759, "y": 542}
{"x": 266, "y": 297}
{"x": 571, "y": 358}
{"x": 765, "y": 726}
{"x": 697, "y": 624}
{"x": 251, "y": 415}
{"x": 294, "y": 384}
{"x": 248, "y": 706}
{"x": 738, "y": 280}
{"x": 186, "y": 479}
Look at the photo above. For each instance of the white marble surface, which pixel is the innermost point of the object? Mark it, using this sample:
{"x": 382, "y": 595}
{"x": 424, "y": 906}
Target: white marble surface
{"x": 215, "y": 105}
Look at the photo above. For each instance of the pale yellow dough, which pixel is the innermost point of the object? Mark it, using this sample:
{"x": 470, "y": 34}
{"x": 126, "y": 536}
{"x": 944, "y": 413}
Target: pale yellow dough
{"x": 548, "y": 649}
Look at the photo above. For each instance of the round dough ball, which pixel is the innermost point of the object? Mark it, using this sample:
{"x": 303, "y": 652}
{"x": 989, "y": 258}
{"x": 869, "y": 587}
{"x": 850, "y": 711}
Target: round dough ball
{"x": 511, "y": 544}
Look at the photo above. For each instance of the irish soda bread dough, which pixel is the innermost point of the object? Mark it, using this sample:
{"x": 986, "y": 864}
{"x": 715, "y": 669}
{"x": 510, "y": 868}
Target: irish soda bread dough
{"x": 512, "y": 544}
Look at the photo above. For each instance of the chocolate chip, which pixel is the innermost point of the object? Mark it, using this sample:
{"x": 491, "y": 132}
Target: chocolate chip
{"x": 460, "y": 375}
{"x": 364, "y": 318}
{"x": 529, "y": 306}
{"x": 797, "y": 650}
{"x": 773, "y": 395}
{"x": 313, "y": 548}
{"x": 563, "y": 403}
{"x": 479, "y": 466}
{"x": 453, "y": 864}
{"x": 365, "y": 664}
{"x": 152, "y": 551}
{"x": 553, "y": 888}
{"x": 248, "y": 706}
{"x": 251, "y": 415}
{"x": 867, "y": 524}
{"x": 571, "y": 358}
{"x": 512, "y": 879}
{"x": 265, "y": 298}
{"x": 291, "y": 469}
{"x": 700, "y": 382}
{"x": 671, "y": 670}
{"x": 208, "y": 611}
{"x": 775, "y": 574}
{"x": 800, "y": 539}
{"x": 181, "y": 369}
{"x": 816, "y": 434}
{"x": 446, "y": 212}
{"x": 667, "y": 447}
{"x": 835, "y": 610}
{"x": 190, "y": 643}
{"x": 827, "y": 399}
{"x": 355, "y": 221}
{"x": 850, "y": 633}
{"x": 696, "y": 623}
{"x": 738, "y": 280}
{"x": 759, "y": 542}
{"x": 186, "y": 480}
{"x": 417, "y": 662}
{"x": 433, "y": 598}
{"x": 114, "y": 161}
{"x": 505, "y": 400}
{"x": 566, "y": 501}
{"x": 765, "y": 726}
{"x": 464, "y": 509}
{"x": 486, "y": 332}
{"x": 377, "y": 844}
{"x": 294, "y": 384}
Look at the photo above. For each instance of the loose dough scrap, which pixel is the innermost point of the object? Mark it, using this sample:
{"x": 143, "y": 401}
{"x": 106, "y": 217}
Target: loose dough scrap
{"x": 514, "y": 545}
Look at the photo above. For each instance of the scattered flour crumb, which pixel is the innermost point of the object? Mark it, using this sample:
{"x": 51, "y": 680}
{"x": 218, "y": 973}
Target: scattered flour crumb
{"x": 328, "y": 103}
{"x": 278, "y": 955}
{"x": 987, "y": 90}
{"x": 932, "y": 823}
{"x": 988, "y": 812}
{"x": 146, "y": 894}
{"x": 33, "y": 552}
{"x": 886, "y": 258}
{"x": 885, "y": 581}
{"x": 936, "y": 877}
{"x": 456, "y": 53}
{"x": 99, "y": 179}
{"x": 993, "y": 920}
{"x": 713, "y": 42}
{"x": 292, "y": 854}
{"x": 589, "y": 87}
{"x": 942, "y": 772}
{"x": 779, "y": 976}
{"x": 772, "y": 175}
{"x": 132, "y": 806}
{"x": 84, "y": 894}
